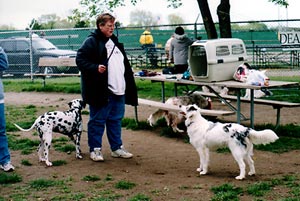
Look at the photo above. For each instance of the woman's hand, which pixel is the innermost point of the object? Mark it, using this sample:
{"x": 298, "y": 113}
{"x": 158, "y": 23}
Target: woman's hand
{"x": 101, "y": 68}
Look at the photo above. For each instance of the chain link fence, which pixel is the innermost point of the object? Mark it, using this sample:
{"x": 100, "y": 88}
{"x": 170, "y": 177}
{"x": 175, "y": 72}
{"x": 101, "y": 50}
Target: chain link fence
{"x": 24, "y": 48}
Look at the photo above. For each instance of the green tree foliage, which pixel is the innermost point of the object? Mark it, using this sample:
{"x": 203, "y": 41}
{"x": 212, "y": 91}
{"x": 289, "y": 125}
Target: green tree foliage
{"x": 175, "y": 19}
{"x": 49, "y": 21}
{"x": 84, "y": 17}
{"x": 7, "y": 27}
{"x": 280, "y": 2}
{"x": 91, "y": 8}
{"x": 142, "y": 18}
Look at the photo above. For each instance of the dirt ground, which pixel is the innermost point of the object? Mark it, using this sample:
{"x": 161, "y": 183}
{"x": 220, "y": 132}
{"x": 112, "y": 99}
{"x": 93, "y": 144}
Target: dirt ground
{"x": 162, "y": 168}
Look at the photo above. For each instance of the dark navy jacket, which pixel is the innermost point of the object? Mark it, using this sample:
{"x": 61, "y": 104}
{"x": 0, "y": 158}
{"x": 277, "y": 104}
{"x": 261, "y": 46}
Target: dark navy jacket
{"x": 94, "y": 85}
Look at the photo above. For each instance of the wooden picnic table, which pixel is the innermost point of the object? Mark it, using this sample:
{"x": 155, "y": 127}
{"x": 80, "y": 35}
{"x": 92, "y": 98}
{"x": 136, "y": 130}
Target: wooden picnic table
{"x": 232, "y": 84}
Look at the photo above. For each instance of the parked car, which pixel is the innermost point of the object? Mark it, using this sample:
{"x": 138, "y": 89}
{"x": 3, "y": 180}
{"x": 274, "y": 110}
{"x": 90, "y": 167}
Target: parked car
{"x": 18, "y": 53}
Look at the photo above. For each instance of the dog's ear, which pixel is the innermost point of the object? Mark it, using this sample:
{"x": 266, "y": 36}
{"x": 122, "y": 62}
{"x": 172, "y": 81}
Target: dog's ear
{"x": 193, "y": 108}
{"x": 82, "y": 103}
{"x": 70, "y": 104}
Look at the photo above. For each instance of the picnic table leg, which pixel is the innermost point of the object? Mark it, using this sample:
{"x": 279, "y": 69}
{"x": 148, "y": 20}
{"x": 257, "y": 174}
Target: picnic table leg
{"x": 163, "y": 92}
{"x": 278, "y": 117}
{"x": 136, "y": 114}
{"x": 238, "y": 110}
{"x": 252, "y": 108}
{"x": 44, "y": 81}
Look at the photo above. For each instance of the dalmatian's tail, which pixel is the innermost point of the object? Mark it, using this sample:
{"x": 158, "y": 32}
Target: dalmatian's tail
{"x": 29, "y": 129}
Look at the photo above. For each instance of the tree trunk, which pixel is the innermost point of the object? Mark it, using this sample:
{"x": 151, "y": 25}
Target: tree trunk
{"x": 207, "y": 20}
{"x": 223, "y": 12}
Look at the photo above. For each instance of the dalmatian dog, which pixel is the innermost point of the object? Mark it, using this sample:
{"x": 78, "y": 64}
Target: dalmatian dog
{"x": 65, "y": 122}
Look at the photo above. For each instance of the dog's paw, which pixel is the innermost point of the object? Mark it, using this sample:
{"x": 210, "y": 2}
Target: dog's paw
{"x": 251, "y": 173}
{"x": 203, "y": 172}
{"x": 48, "y": 163}
{"x": 78, "y": 156}
{"x": 198, "y": 170}
{"x": 42, "y": 159}
{"x": 239, "y": 177}
{"x": 150, "y": 121}
{"x": 178, "y": 130}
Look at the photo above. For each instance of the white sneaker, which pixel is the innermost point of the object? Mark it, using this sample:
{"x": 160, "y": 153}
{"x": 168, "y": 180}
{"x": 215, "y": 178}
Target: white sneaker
{"x": 121, "y": 153}
{"x": 8, "y": 167}
{"x": 96, "y": 155}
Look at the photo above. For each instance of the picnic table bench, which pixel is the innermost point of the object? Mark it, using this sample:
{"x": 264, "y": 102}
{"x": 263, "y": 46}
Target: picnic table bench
{"x": 275, "y": 104}
{"x": 169, "y": 107}
{"x": 48, "y": 62}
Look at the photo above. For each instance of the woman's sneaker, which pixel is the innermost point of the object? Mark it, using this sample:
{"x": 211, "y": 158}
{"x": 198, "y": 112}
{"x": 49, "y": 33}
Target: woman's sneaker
{"x": 121, "y": 153}
{"x": 7, "y": 167}
{"x": 96, "y": 155}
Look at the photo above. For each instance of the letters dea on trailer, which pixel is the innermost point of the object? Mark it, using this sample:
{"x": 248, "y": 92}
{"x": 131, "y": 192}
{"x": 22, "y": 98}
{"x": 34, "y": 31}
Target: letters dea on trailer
{"x": 289, "y": 38}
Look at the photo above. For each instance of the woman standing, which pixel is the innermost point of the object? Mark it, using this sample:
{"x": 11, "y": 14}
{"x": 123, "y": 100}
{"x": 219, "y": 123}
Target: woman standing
{"x": 107, "y": 84}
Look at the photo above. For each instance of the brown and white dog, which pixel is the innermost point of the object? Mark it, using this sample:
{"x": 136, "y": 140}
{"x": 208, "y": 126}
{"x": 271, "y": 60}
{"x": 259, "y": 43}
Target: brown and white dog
{"x": 173, "y": 119}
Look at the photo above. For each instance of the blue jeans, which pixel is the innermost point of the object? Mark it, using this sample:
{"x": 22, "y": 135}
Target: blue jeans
{"x": 109, "y": 116}
{"x": 4, "y": 152}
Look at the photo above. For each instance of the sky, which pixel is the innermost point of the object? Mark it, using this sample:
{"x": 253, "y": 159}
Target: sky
{"x": 19, "y": 13}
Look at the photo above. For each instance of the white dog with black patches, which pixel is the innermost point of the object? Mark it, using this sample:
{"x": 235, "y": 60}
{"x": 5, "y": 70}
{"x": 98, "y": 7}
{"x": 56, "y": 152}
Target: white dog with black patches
{"x": 205, "y": 135}
{"x": 66, "y": 122}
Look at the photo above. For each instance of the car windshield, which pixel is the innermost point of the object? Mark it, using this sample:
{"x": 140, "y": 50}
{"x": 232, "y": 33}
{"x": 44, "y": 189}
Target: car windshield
{"x": 43, "y": 45}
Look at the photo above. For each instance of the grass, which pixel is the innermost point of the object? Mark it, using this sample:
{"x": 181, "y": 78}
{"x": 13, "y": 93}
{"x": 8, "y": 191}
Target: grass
{"x": 64, "y": 85}
{"x": 91, "y": 178}
{"x": 106, "y": 187}
{"x": 25, "y": 145}
{"x": 6, "y": 178}
{"x": 26, "y": 162}
{"x": 258, "y": 190}
{"x": 43, "y": 184}
{"x": 24, "y": 115}
{"x": 226, "y": 192}
{"x": 125, "y": 185}
{"x": 59, "y": 162}
{"x": 140, "y": 197}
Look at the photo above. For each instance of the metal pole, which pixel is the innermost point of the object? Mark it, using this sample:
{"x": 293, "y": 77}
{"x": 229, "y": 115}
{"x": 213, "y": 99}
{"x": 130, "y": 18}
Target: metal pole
{"x": 195, "y": 27}
{"x": 252, "y": 41}
{"x": 30, "y": 55}
{"x": 30, "y": 50}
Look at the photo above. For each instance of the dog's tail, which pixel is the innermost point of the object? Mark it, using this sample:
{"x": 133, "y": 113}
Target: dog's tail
{"x": 263, "y": 137}
{"x": 29, "y": 129}
{"x": 152, "y": 119}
